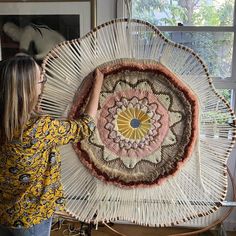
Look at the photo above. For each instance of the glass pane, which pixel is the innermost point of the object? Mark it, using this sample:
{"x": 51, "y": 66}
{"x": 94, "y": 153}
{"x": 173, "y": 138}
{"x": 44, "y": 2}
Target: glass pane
{"x": 184, "y": 12}
{"x": 227, "y": 94}
{"x": 214, "y": 121}
{"x": 215, "y": 48}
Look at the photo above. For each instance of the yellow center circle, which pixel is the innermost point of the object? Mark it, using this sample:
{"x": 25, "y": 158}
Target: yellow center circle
{"x": 133, "y": 123}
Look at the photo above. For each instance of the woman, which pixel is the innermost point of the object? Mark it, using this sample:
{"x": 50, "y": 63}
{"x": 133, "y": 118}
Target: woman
{"x": 30, "y": 188}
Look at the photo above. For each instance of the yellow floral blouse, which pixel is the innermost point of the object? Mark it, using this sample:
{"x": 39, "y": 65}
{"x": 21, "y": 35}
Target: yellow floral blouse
{"x": 30, "y": 187}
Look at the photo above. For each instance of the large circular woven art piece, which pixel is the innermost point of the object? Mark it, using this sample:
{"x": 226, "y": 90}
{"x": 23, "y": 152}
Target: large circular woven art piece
{"x": 147, "y": 124}
{"x": 163, "y": 133}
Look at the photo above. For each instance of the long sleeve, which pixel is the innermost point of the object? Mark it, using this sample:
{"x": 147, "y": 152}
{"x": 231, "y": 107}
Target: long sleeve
{"x": 61, "y": 132}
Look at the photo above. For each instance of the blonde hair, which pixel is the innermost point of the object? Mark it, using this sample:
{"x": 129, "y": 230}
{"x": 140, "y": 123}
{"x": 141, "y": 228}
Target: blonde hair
{"x": 17, "y": 95}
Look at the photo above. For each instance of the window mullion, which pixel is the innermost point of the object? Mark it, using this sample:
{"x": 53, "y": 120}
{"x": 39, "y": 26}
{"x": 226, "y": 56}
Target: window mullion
{"x": 234, "y": 61}
{"x": 197, "y": 28}
{"x": 224, "y": 84}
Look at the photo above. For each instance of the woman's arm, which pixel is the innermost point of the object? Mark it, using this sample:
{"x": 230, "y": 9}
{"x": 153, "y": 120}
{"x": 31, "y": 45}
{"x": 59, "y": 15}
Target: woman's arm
{"x": 92, "y": 106}
{"x": 61, "y": 132}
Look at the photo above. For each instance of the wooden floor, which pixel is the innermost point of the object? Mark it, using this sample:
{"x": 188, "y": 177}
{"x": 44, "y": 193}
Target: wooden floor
{"x": 72, "y": 228}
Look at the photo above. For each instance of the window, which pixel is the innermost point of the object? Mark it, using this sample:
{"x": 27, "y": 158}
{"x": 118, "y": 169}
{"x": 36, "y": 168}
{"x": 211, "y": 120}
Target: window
{"x": 206, "y": 26}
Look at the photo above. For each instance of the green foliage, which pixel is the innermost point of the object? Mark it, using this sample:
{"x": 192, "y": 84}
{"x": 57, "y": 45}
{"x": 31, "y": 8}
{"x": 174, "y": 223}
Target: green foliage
{"x": 214, "y": 47}
{"x": 216, "y": 117}
{"x": 195, "y": 12}
{"x": 175, "y": 15}
{"x": 207, "y": 15}
{"x": 226, "y": 93}
{"x": 148, "y": 11}
{"x": 226, "y": 8}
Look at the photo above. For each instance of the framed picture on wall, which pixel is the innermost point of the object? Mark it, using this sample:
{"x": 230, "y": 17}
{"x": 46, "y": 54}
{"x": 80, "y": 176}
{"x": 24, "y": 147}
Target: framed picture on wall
{"x": 36, "y": 27}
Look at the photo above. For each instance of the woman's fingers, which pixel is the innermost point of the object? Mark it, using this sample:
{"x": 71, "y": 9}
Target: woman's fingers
{"x": 99, "y": 76}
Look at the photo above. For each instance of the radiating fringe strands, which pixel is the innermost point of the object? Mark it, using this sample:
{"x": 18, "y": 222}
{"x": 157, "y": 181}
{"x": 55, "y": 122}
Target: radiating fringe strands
{"x": 199, "y": 187}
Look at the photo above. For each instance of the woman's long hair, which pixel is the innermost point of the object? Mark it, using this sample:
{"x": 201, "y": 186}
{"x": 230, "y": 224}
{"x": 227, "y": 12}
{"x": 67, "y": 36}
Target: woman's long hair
{"x": 17, "y": 95}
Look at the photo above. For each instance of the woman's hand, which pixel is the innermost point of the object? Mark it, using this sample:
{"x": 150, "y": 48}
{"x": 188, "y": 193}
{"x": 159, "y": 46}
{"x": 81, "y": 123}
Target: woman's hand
{"x": 92, "y": 106}
{"x": 98, "y": 78}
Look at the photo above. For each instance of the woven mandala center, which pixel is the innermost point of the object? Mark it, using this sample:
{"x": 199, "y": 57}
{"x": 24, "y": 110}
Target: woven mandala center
{"x": 133, "y": 123}
{"x": 132, "y": 120}
{"x": 145, "y": 126}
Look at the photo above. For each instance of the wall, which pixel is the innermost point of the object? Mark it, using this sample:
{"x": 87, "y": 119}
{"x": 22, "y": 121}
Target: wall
{"x": 106, "y": 10}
